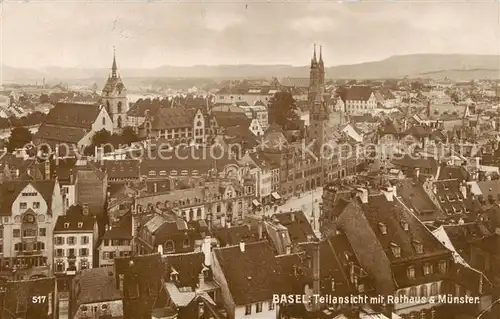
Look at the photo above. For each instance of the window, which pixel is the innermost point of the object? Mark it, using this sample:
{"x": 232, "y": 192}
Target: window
{"x": 71, "y": 240}
{"x": 60, "y": 266}
{"x": 413, "y": 292}
{"x": 85, "y": 240}
{"x": 133, "y": 291}
{"x": 248, "y": 310}
{"x": 169, "y": 246}
{"x": 42, "y": 232}
{"x": 66, "y": 225}
{"x": 442, "y": 266}
{"x": 271, "y": 305}
{"x": 103, "y": 120}
{"x": 29, "y": 233}
{"x": 185, "y": 243}
{"x": 71, "y": 252}
{"x": 18, "y": 247}
{"x": 59, "y": 252}
{"x": 84, "y": 265}
{"x": 418, "y": 247}
{"x": 152, "y": 173}
{"x": 258, "y": 307}
{"x": 410, "y": 272}
{"x": 84, "y": 252}
{"x": 21, "y": 305}
{"x": 428, "y": 269}
{"x": 396, "y": 250}
{"x": 423, "y": 291}
{"x": 80, "y": 225}
{"x": 39, "y": 246}
{"x": 383, "y": 228}
{"x": 23, "y": 205}
{"x": 16, "y": 233}
{"x": 59, "y": 240}
{"x": 434, "y": 289}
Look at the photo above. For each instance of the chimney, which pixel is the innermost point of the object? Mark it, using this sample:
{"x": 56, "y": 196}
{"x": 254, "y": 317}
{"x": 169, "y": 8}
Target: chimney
{"x": 292, "y": 216}
{"x": 316, "y": 273}
{"x": 206, "y": 248}
{"x": 201, "y": 279}
{"x": 155, "y": 188}
{"x": 71, "y": 177}
{"x": 160, "y": 250}
{"x": 223, "y": 221}
{"x": 417, "y": 172}
{"x": 389, "y": 194}
{"x": 288, "y": 249}
{"x": 47, "y": 169}
{"x": 242, "y": 246}
{"x": 463, "y": 189}
{"x": 363, "y": 195}
{"x": 17, "y": 173}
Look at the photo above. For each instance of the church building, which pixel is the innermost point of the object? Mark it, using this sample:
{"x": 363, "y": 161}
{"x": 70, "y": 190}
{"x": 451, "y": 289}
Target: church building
{"x": 114, "y": 97}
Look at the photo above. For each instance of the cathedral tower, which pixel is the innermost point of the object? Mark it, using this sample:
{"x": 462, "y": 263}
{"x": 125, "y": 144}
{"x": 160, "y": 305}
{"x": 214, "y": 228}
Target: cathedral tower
{"x": 114, "y": 97}
{"x": 318, "y": 111}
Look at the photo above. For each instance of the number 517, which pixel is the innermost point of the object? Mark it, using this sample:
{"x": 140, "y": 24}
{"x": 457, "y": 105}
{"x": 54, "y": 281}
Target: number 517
{"x": 38, "y": 299}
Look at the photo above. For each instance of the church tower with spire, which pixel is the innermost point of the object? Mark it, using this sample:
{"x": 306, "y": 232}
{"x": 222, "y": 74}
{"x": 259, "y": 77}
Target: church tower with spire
{"x": 114, "y": 97}
{"x": 318, "y": 110}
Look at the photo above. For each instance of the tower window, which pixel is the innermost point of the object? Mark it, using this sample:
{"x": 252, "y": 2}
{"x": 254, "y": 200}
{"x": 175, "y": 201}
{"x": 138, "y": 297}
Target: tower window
{"x": 119, "y": 107}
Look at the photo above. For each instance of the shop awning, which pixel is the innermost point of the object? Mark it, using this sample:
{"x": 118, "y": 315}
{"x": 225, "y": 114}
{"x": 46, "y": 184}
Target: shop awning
{"x": 255, "y": 202}
{"x": 276, "y": 195}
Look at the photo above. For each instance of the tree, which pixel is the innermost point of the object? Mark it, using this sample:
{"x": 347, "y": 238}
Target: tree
{"x": 44, "y": 98}
{"x": 102, "y": 138}
{"x": 19, "y": 137}
{"x": 128, "y": 136}
{"x": 283, "y": 110}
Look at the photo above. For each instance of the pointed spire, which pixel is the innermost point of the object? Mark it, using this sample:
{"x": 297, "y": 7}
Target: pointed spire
{"x": 321, "y": 54}
{"x": 114, "y": 68}
{"x": 314, "y": 56}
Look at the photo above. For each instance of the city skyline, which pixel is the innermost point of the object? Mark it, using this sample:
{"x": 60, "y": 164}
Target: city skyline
{"x": 149, "y": 35}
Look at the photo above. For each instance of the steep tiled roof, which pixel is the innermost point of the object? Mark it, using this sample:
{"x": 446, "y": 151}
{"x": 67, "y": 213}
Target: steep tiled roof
{"x": 73, "y": 115}
{"x": 74, "y": 216}
{"x": 378, "y": 211}
{"x": 58, "y": 133}
{"x": 452, "y": 200}
{"x": 299, "y": 228}
{"x": 420, "y": 162}
{"x": 233, "y": 235}
{"x": 141, "y": 108}
{"x": 415, "y": 197}
{"x": 253, "y": 275}
{"x": 461, "y": 235}
{"x": 356, "y": 93}
{"x": 231, "y": 119}
{"x": 122, "y": 169}
{"x": 173, "y": 117}
{"x": 453, "y": 172}
{"x": 21, "y": 292}
{"x": 121, "y": 231}
{"x": 9, "y": 190}
{"x": 489, "y": 188}
{"x": 96, "y": 285}
{"x": 188, "y": 266}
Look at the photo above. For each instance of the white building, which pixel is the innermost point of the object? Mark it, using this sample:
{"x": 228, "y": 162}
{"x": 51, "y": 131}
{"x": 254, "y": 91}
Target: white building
{"x": 359, "y": 100}
{"x": 116, "y": 241}
{"x": 75, "y": 237}
{"x": 29, "y": 211}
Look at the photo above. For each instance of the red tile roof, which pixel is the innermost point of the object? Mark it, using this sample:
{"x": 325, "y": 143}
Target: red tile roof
{"x": 9, "y": 190}
{"x": 176, "y": 117}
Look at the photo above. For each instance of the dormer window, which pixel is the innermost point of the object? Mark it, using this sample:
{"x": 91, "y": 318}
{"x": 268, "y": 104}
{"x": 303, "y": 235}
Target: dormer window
{"x": 450, "y": 198}
{"x": 152, "y": 173}
{"x": 383, "y": 228}
{"x": 174, "y": 275}
{"x": 405, "y": 225}
{"x": 441, "y": 199}
{"x": 418, "y": 247}
{"x": 66, "y": 225}
{"x": 396, "y": 250}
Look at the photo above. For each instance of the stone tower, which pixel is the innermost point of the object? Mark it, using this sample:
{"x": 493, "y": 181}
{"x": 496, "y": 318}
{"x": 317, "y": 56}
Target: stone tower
{"x": 318, "y": 110}
{"x": 114, "y": 97}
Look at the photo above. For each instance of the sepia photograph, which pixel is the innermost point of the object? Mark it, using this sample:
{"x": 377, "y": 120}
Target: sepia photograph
{"x": 277, "y": 159}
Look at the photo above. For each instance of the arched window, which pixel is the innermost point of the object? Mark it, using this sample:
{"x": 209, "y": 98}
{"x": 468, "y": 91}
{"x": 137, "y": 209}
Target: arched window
{"x": 119, "y": 122}
{"x": 119, "y": 107}
{"x": 108, "y": 107}
{"x": 103, "y": 120}
{"x": 423, "y": 291}
{"x": 434, "y": 289}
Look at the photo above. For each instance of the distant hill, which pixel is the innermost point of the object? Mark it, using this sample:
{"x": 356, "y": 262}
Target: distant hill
{"x": 455, "y": 66}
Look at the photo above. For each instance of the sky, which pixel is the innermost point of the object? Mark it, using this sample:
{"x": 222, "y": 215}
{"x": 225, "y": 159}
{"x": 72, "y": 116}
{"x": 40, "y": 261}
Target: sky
{"x": 183, "y": 33}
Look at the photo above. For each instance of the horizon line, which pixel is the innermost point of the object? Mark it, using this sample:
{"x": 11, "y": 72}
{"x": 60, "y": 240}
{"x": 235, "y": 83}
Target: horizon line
{"x": 246, "y": 64}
